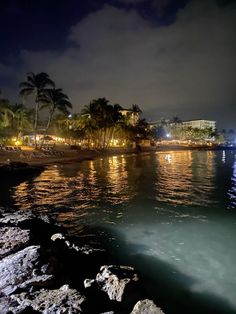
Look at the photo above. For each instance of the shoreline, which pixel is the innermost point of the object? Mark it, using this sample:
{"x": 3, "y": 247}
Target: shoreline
{"x": 81, "y": 155}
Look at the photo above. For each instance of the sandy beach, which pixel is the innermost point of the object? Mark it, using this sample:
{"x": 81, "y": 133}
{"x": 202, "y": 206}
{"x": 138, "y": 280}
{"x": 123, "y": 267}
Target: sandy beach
{"x": 41, "y": 158}
{"x": 59, "y": 155}
{"x": 66, "y": 155}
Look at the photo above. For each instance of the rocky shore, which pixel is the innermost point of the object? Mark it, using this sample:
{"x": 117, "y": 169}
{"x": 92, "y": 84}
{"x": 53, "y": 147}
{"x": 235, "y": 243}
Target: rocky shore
{"x": 44, "y": 270}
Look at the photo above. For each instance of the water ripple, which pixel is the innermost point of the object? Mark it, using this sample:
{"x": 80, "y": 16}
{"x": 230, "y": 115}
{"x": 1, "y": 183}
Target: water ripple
{"x": 183, "y": 178}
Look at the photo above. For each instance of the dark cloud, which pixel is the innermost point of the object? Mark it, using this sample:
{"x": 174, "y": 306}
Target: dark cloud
{"x": 187, "y": 68}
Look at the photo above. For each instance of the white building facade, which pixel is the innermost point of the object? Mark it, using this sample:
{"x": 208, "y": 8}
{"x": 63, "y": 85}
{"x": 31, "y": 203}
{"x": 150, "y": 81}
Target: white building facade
{"x": 200, "y": 124}
{"x": 133, "y": 117}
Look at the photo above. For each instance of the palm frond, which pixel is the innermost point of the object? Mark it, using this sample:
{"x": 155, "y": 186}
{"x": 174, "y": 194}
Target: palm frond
{"x": 26, "y": 92}
{"x": 26, "y": 85}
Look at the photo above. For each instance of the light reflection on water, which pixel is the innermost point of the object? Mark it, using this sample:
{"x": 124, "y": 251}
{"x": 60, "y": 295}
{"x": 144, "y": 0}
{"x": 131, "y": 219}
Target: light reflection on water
{"x": 177, "y": 208}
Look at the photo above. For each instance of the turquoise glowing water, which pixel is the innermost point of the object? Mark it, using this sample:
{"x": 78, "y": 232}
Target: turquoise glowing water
{"x": 171, "y": 215}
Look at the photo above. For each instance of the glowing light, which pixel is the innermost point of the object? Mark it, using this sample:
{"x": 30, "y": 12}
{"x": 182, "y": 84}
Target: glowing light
{"x": 18, "y": 143}
{"x": 168, "y": 157}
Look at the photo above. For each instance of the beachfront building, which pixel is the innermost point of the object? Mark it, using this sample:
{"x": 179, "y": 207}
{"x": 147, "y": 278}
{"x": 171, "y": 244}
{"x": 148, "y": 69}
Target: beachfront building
{"x": 193, "y": 130}
{"x": 29, "y": 139}
{"x": 133, "y": 117}
{"x": 184, "y": 132}
{"x": 199, "y": 124}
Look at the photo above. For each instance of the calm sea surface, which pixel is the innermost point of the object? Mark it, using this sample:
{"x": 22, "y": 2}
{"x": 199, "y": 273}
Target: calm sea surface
{"x": 171, "y": 215}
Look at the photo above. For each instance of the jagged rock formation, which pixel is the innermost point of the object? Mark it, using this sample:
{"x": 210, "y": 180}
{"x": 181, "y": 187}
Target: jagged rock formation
{"x": 44, "y": 270}
{"x": 23, "y": 269}
{"x": 146, "y": 307}
{"x": 62, "y": 300}
{"x": 12, "y": 239}
{"x": 120, "y": 283}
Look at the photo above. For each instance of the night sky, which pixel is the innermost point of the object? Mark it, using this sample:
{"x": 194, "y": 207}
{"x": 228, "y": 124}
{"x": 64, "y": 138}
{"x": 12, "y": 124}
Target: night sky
{"x": 171, "y": 57}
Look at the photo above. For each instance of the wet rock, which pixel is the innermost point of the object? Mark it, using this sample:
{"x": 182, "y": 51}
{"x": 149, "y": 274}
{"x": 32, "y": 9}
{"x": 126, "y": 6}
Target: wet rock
{"x": 57, "y": 236}
{"x": 16, "y": 218}
{"x": 114, "y": 280}
{"x": 22, "y": 269}
{"x": 12, "y": 239}
{"x": 120, "y": 283}
{"x": 84, "y": 249}
{"x": 40, "y": 226}
{"x": 5, "y": 304}
{"x": 22, "y": 218}
{"x": 146, "y": 307}
{"x": 63, "y": 300}
{"x": 88, "y": 283}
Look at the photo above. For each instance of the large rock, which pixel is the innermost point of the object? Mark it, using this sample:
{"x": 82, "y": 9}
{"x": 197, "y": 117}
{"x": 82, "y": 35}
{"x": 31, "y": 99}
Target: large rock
{"x": 63, "y": 300}
{"x": 12, "y": 239}
{"x": 22, "y": 269}
{"x": 146, "y": 307}
{"x": 114, "y": 280}
{"x": 40, "y": 226}
{"x": 5, "y": 304}
{"x": 120, "y": 283}
{"x": 16, "y": 218}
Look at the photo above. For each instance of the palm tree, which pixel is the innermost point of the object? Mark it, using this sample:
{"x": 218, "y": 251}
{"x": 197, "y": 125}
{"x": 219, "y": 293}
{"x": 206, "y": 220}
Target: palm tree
{"x": 6, "y": 113}
{"x": 22, "y": 119}
{"x": 55, "y": 99}
{"x": 98, "y": 114}
{"x": 141, "y": 129}
{"x": 101, "y": 117}
{"x": 175, "y": 120}
{"x": 36, "y": 85}
{"x": 135, "y": 112}
{"x": 136, "y": 108}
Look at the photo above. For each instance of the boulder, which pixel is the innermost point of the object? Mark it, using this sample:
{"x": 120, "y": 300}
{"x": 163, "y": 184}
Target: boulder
{"x": 120, "y": 283}
{"x": 12, "y": 239}
{"x": 22, "y": 269}
{"x": 22, "y": 218}
{"x": 40, "y": 226}
{"x": 16, "y": 218}
{"x": 114, "y": 280}
{"x": 146, "y": 307}
{"x": 62, "y": 300}
{"x": 5, "y": 304}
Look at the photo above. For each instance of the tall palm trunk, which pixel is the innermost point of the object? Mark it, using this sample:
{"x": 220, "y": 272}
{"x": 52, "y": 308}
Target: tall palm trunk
{"x": 110, "y": 137}
{"x": 47, "y": 126}
{"x": 36, "y": 124}
{"x": 49, "y": 121}
{"x": 104, "y": 138}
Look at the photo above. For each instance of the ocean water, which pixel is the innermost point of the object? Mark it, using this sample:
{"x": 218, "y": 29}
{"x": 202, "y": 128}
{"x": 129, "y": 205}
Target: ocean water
{"x": 172, "y": 215}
